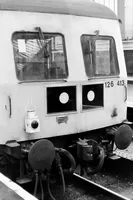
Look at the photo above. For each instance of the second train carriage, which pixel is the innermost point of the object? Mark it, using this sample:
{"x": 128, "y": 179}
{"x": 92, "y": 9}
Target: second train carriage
{"x": 128, "y": 53}
{"x": 63, "y": 86}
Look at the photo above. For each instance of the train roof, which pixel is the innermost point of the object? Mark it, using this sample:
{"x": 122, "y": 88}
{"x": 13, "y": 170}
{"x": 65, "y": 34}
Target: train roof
{"x": 87, "y": 8}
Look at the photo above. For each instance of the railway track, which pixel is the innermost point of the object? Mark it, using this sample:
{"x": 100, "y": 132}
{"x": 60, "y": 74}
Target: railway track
{"x": 89, "y": 189}
{"x": 80, "y": 188}
{"x": 108, "y": 184}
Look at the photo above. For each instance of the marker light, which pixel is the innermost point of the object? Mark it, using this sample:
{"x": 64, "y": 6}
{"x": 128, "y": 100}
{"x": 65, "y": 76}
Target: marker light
{"x": 64, "y": 97}
{"x": 91, "y": 95}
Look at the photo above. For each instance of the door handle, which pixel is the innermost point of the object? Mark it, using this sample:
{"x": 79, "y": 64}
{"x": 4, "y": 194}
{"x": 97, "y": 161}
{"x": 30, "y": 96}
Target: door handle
{"x": 10, "y": 106}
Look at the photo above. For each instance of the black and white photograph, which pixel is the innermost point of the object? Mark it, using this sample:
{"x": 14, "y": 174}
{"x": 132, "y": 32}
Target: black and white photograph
{"x": 66, "y": 99}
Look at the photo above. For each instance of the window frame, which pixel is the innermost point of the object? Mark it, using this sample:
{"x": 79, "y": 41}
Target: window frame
{"x": 64, "y": 50}
{"x": 97, "y": 76}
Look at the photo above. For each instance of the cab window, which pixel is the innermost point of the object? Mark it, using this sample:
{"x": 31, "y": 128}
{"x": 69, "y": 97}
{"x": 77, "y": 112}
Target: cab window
{"x": 39, "y": 59}
{"x": 100, "y": 57}
{"x": 129, "y": 61}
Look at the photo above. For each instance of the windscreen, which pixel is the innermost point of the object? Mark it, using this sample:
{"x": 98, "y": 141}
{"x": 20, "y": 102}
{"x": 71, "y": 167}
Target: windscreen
{"x": 100, "y": 57}
{"x": 39, "y": 59}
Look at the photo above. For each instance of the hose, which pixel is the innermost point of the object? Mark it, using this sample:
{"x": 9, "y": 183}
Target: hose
{"x": 100, "y": 164}
{"x": 63, "y": 180}
{"x": 36, "y": 183}
{"x": 49, "y": 191}
{"x": 58, "y": 162}
{"x": 42, "y": 192}
{"x": 71, "y": 159}
{"x": 62, "y": 171}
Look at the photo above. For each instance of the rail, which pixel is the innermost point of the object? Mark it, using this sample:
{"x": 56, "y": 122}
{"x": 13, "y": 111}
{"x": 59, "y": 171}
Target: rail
{"x": 98, "y": 188}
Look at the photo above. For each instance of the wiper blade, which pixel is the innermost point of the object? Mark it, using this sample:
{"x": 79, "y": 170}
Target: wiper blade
{"x": 44, "y": 46}
{"x": 94, "y": 41}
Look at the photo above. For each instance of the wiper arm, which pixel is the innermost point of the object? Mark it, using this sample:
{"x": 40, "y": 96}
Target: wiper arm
{"x": 94, "y": 41}
{"x": 44, "y": 46}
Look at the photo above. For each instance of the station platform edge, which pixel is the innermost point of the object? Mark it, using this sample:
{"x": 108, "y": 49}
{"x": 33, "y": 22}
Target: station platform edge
{"x": 12, "y": 191}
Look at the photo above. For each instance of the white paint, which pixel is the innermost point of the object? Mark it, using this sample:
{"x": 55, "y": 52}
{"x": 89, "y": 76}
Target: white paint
{"x": 64, "y": 98}
{"x": 91, "y": 95}
{"x": 16, "y": 188}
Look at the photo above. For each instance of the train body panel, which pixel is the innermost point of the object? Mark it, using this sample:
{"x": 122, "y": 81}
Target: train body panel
{"x": 72, "y": 122}
{"x": 17, "y": 95}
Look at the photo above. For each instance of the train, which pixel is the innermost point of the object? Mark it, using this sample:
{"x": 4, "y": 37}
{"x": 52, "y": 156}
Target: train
{"x": 63, "y": 88}
{"x": 128, "y": 53}
{"x": 124, "y": 13}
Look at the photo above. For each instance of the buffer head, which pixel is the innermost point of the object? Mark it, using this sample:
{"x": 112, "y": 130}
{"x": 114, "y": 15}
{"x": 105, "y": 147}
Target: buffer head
{"x": 123, "y": 136}
{"x": 41, "y": 154}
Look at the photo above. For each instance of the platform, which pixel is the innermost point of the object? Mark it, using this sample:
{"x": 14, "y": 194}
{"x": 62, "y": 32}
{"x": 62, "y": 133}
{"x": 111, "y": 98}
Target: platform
{"x": 11, "y": 191}
{"x": 126, "y": 153}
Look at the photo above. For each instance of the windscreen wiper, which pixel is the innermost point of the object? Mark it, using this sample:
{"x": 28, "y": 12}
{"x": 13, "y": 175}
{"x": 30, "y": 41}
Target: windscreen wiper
{"x": 44, "y": 46}
{"x": 94, "y": 41}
